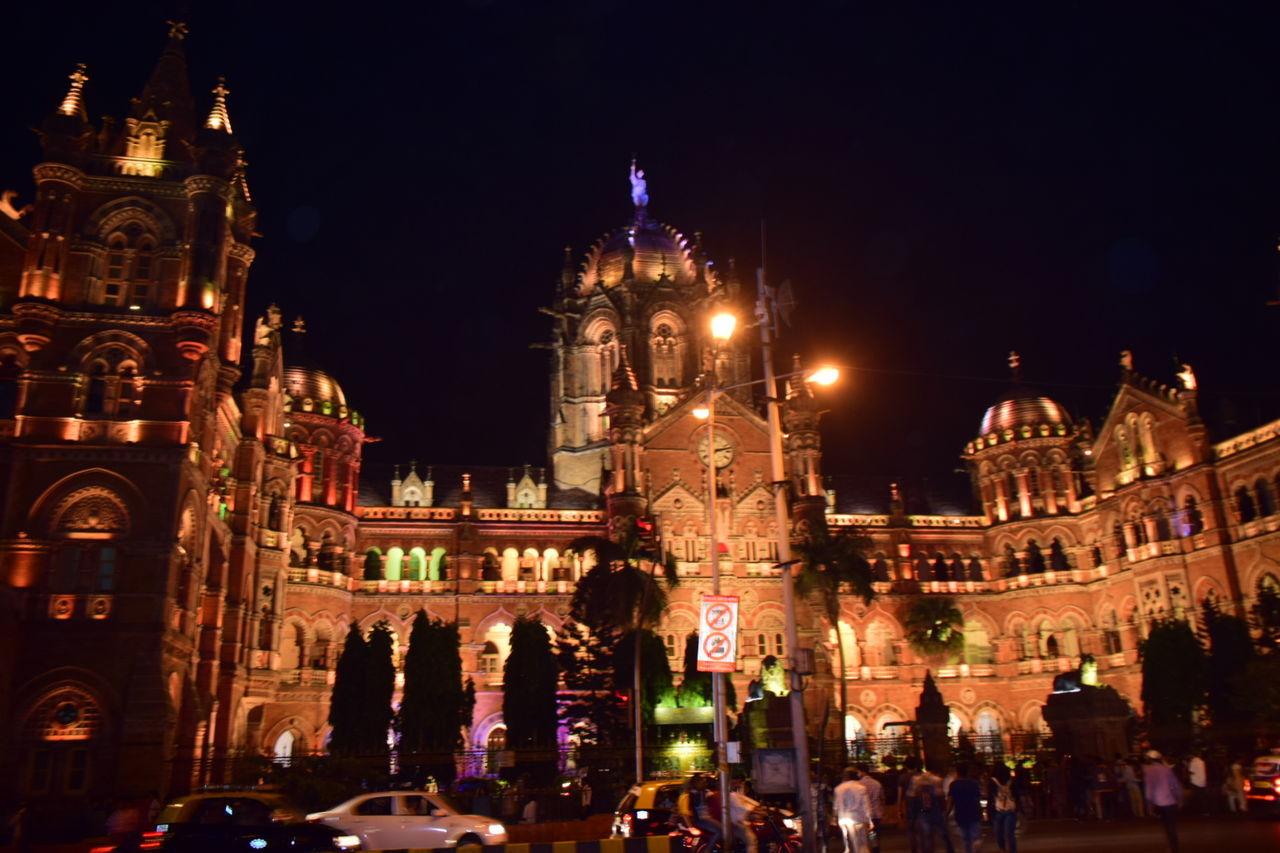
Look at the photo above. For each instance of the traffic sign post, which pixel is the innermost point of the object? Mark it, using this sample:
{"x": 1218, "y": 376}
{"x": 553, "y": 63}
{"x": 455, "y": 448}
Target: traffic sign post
{"x": 718, "y": 634}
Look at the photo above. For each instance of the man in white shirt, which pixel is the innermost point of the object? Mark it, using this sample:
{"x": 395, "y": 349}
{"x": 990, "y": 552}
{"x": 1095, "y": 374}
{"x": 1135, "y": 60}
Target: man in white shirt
{"x": 875, "y": 798}
{"x": 1197, "y": 779}
{"x": 853, "y": 812}
{"x": 740, "y": 808}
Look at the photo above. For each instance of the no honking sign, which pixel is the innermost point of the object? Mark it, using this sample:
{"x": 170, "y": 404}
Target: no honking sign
{"x": 718, "y": 634}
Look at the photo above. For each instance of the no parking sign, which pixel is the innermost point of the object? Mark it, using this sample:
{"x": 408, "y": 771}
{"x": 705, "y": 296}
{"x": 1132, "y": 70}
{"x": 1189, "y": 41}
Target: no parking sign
{"x": 718, "y": 634}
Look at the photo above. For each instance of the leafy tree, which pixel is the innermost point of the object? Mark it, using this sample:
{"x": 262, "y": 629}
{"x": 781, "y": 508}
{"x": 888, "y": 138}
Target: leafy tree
{"x": 1173, "y": 681}
{"x": 593, "y": 709}
{"x": 934, "y": 626}
{"x": 436, "y": 704}
{"x": 1265, "y": 615}
{"x": 834, "y": 562}
{"x": 1258, "y": 692}
{"x": 1231, "y": 650}
{"x": 622, "y": 592}
{"x": 657, "y": 685}
{"x": 379, "y": 688}
{"x": 529, "y": 683}
{"x": 347, "y": 700}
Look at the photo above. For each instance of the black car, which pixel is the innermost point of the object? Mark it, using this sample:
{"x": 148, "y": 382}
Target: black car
{"x": 237, "y": 822}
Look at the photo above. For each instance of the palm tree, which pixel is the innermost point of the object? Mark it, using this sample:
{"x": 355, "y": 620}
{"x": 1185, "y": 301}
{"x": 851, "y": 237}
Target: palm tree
{"x": 833, "y": 562}
{"x": 618, "y": 595}
{"x": 934, "y": 626}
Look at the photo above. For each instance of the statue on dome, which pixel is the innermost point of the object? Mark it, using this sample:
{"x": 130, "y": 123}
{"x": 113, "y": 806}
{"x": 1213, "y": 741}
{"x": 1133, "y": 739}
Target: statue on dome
{"x": 639, "y": 186}
{"x": 265, "y": 325}
{"x": 1188, "y": 377}
{"x": 1126, "y": 360}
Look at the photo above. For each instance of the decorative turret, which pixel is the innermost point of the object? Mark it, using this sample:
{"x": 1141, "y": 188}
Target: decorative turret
{"x": 1021, "y": 462}
{"x": 641, "y": 287}
{"x": 800, "y": 418}
{"x": 624, "y": 409}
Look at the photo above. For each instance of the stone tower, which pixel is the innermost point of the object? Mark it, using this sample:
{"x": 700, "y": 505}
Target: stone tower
{"x": 139, "y": 551}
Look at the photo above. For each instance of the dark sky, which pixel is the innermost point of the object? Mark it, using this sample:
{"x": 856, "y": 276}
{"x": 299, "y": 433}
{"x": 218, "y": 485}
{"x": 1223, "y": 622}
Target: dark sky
{"x": 941, "y": 184}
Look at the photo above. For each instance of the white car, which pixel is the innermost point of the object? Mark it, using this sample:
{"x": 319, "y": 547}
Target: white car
{"x": 406, "y": 820}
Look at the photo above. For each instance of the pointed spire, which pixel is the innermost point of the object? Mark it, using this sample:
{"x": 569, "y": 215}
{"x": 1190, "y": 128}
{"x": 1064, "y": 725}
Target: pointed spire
{"x": 218, "y": 118}
{"x": 624, "y": 377}
{"x": 1015, "y": 366}
{"x": 73, "y": 103}
{"x": 167, "y": 94}
{"x": 568, "y": 275}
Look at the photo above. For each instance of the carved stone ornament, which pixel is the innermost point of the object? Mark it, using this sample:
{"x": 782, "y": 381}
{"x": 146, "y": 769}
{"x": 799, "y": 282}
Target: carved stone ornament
{"x": 94, "y": 509}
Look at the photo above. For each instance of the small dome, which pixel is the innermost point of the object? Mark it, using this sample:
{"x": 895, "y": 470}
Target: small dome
{"x": 1022, "y": 407}
{"x": 654, "y": 248}
{"x": 308, "y": 382}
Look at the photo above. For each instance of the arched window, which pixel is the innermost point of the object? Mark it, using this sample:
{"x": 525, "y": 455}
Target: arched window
{"x": 438, "y": 569}
{"x": 975, "y": 569}
{"x": 1266, "y": 502}
{"x": 293, "y": 648}
{"x": 395, "y": 562}
{"x": 417, "y": 564}
{"x": 10, "y": 370}
{"x": 1126, "y": 450}
{"x": 665, "y": 357}
{"x": 977, "y": 644}
{"x": 1245, "y": 509}
{"x": 130, "y": 268}
{"x": 282, "y": 749}
{"x": 879, "y": 645}
{"x": 321, "y": 649}
{"x": 880, "y": 569}
{"x": 111, "y": 385}
{"x": 1193, "y": 521}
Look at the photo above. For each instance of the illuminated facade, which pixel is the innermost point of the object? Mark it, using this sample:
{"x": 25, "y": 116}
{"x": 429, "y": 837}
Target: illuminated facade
{"x": 185, "y": 536}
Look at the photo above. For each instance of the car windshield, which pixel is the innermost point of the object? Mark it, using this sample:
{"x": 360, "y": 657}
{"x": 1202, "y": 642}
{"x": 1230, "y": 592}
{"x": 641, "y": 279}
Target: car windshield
{"x": 440, "y": 801}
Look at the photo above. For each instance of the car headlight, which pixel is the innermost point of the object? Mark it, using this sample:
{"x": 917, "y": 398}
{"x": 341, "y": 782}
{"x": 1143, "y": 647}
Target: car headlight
{"x": 789, "y": 822}
{"x": 347, "y": 842}
{"x": 497, "y": 829}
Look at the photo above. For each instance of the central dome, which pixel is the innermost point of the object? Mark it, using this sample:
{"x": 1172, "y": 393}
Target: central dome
{"x": 652, "y": 249}
{"x": 309, "y": 383}
{"x": 1022, "y": 407}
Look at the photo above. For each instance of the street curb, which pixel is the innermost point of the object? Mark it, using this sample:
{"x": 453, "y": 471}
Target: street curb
{"x": 650, "y": 844}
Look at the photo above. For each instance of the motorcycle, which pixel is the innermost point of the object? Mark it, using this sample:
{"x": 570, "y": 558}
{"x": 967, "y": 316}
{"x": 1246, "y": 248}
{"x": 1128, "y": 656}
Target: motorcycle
{"x": 776, "y": 831}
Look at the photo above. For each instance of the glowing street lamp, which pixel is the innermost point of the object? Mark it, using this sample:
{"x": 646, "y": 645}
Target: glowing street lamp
{"x": 825, "y": 375}
{"x": 722, "y": 326}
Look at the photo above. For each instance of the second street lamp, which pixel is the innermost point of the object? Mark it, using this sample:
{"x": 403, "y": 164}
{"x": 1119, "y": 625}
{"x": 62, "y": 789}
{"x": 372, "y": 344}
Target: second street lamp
{"x": 722, "y": 327}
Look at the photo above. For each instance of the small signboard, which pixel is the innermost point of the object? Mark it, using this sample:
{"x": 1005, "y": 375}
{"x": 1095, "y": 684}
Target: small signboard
{"x": 718, "y": 634}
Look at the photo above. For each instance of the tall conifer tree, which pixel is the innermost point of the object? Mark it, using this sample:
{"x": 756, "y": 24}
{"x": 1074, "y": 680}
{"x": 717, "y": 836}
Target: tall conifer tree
{"x": 529, "y": 685}
{"x": 436, "y": 704}
{"x": 380, "y": 686}
{"x": 346, "y": 703}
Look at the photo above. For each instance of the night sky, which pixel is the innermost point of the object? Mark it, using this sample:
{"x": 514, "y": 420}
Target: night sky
{"x": 941, "y": 185}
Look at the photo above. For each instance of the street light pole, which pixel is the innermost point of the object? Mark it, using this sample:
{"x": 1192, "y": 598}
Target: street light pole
{"x": 720, "y": 332}
{"x": 778, "y": 477}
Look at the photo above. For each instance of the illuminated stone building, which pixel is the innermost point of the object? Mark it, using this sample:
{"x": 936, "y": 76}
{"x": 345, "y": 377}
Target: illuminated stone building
{"x": 186, "y": 537}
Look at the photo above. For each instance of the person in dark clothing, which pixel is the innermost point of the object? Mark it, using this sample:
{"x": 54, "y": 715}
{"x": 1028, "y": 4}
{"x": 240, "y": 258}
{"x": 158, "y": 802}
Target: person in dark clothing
{"x": 966, "y": 807}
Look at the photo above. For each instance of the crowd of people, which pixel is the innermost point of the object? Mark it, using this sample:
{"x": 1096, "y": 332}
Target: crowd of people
{"x": 950, "y": 811}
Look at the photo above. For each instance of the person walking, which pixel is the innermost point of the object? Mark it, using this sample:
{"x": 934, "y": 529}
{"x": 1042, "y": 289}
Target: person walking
{"x": 740, "y": 808}
{"x": 1198, "y": 782}
{"x": 932, "y": 822}
{"x": 1004, "y": 808}
{"x": 853, "y": 812}
{"x": 1127, "y": 779}
{"x": 965, "y": 795}
{"x": 1164, "y": 794}
{"x": 1233, "y": 787}
{"x": 875, "y": 796}
{"x": 909, "y": 803}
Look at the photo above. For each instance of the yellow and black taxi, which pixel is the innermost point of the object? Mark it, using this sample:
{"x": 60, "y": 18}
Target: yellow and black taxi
{"x": 1262, "y": 784}
{"x": 647, "y": 808}
{"x": 236, "y": 822}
